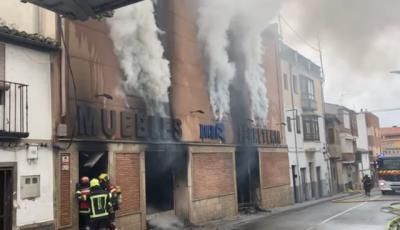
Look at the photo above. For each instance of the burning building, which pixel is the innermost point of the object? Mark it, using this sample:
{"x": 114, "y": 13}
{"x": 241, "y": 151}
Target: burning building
{"x": 139, "y": 109}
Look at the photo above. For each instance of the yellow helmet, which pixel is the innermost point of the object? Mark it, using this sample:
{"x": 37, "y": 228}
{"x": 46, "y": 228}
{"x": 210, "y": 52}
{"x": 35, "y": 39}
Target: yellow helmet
{"x": 103, "y": 177}
{"x": 94, "y": 182}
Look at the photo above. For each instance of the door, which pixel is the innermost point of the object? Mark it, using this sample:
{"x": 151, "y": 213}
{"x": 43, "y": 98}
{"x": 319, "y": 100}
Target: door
{"x": 6, "y": 198}
{"x": 294, "y": 176}
{"x": 304, "y": 183}
{"x": 312, "y": 179}
{"x": 319, "y": 182}
{"x": 247, "y": 176}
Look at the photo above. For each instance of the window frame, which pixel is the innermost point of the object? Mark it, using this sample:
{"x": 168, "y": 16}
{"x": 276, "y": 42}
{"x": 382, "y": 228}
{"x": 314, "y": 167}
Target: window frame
{"x": 289, "y": 124}
{"x": 311, "y": 128}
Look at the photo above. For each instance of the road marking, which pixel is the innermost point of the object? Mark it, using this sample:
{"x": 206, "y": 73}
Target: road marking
{"x": 340, "y": 214}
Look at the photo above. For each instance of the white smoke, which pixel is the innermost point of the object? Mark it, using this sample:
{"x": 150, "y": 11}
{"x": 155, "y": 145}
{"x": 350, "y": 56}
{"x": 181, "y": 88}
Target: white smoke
{"x": 213, "y": 27}
{"x": 134, "y": 32}
{"x": 246, "y": 20}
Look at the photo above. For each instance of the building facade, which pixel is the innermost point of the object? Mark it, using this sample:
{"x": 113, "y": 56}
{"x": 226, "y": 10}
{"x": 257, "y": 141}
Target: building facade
{"x": 368, "y": 141}
{"x": 27, "y": 46}
{"x": 347, "y": 161}
{"x": 390, "y": 140}
{"x": 302, "y": 87}
{"x": 187, "y": 164}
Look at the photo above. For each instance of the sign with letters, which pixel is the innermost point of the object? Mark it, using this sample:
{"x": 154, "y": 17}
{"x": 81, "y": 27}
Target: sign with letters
{"x": 213, "y": 132}
{"x": 95, "y": 122}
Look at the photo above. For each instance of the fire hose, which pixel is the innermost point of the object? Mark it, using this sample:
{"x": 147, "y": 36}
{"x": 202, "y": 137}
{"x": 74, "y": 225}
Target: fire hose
{"x": 394, "y": 208}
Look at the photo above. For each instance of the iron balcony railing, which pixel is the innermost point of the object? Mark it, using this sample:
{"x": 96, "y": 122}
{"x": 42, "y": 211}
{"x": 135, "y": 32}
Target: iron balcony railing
{"x": 13, "y": 110}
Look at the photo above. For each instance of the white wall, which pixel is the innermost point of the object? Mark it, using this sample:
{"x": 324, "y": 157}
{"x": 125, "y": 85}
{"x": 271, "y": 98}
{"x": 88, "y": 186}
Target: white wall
{"x": 346, "y": 143}
{"x": 33, "y": 68}
{"x": 362, "y": 140}
{"x": 39, "y": 209}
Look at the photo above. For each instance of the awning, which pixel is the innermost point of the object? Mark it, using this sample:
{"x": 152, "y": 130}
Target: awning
{"x": 81, "y": 9}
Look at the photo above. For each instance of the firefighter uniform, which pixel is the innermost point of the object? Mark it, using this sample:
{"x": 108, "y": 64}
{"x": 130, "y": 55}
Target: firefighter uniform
{"x": 99, "y": 206}
{"x": 116, "y": 197}
{"x": 82, "y": 195}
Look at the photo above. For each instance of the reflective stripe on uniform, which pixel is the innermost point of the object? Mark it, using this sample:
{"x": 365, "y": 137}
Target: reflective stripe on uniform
{"x": 98, "y": 198}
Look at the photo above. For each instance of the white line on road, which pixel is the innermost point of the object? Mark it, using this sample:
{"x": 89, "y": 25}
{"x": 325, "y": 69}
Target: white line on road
{"x": 340, "y": 214}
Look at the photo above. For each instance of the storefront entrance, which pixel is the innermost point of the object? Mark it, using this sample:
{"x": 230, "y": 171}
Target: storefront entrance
{"x": 164, "y": 172}
{"x": 6, "y": 198}
{"x": 247, "y": 177}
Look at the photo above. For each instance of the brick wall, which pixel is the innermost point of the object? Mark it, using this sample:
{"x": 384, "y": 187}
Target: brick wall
{"x": 128, "y": 178}
{"x": 275, "y": 169}
{"x": 65, "y": 199}
{"x": 212, "y": 175}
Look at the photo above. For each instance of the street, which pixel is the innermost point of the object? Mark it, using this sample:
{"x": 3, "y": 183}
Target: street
{"x": 354, "y": 213}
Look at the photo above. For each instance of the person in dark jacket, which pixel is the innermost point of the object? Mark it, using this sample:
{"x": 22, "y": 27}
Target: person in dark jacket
{"x": 82, "y": 195}
{"x": 367, "y": 182}
{"x": 99, "y": 206}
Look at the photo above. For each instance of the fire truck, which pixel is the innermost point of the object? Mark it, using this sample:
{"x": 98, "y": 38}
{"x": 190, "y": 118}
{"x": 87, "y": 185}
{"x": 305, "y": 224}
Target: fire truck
{"x": 388, "y": 171}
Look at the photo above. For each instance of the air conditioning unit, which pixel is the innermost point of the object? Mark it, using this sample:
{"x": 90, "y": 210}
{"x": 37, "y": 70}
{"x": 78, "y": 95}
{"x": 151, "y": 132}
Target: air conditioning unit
{"x": 81, "y": 9}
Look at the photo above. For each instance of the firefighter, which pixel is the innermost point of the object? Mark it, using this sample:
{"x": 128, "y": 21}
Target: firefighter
{"x": 82, "y": 194}
{"x": 116, "y": 197}
{"x": 99, "y": 206}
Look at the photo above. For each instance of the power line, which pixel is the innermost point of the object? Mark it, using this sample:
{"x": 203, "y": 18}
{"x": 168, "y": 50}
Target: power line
{"x": 298, "y": 35}
{"x": 383, "y": 110}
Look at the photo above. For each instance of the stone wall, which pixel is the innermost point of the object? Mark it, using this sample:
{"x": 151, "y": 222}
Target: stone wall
{"x": 213, "y": 209}
{"x": 277, "y": 196}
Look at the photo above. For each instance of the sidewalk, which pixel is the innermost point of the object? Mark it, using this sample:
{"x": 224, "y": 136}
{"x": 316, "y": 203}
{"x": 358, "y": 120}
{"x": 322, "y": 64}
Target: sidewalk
{"x": 234, "y": 222}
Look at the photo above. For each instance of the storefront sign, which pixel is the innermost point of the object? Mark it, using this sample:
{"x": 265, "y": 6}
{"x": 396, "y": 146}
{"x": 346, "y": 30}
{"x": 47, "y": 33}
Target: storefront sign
{"x": 213, "y": 132}
{"x": 93, "y": 122}
{"x": 65, "y": 162}
{"x": 260, "y": 136}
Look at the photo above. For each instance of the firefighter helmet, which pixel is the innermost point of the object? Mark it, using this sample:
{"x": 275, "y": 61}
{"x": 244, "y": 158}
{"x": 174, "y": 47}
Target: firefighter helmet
{"x": 103, "y": 177}
{"x": 94, "y": 183}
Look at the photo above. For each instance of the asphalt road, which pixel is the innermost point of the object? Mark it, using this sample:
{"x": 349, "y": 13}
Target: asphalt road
{"x": 354, "y": 213}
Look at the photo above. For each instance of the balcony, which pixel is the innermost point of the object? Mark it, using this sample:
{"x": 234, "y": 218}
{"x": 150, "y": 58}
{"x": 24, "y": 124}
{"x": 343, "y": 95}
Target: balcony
{"x": 308, "y": 102}
{"x": 81, "y": 9}
{"x": 13, "y": 110}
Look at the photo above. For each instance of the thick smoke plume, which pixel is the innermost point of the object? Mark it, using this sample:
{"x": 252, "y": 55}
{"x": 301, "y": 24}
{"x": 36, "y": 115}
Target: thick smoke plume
{"x": 357, "y": 30}
{"x": 140, "y": 52}
{"x": 245, "y": 20}
{"x": 213, "y": 27}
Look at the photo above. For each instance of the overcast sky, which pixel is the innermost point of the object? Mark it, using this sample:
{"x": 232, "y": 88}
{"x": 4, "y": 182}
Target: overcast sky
{"x": 360, "y": 44}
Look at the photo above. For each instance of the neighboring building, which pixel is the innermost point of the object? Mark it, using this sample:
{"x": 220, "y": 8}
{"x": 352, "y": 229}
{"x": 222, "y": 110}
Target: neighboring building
{"x": 164, "y": 164}
{"x": 26, "y": 151}
{"x": 368, "y": 141}
{"x": 302, "y": 87}
{"x": 342, "y": 134}
{"x": 390, "y": 140}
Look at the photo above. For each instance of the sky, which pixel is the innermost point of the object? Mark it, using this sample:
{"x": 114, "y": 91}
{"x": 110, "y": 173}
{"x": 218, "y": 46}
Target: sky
{"x": 360, "y": 43}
